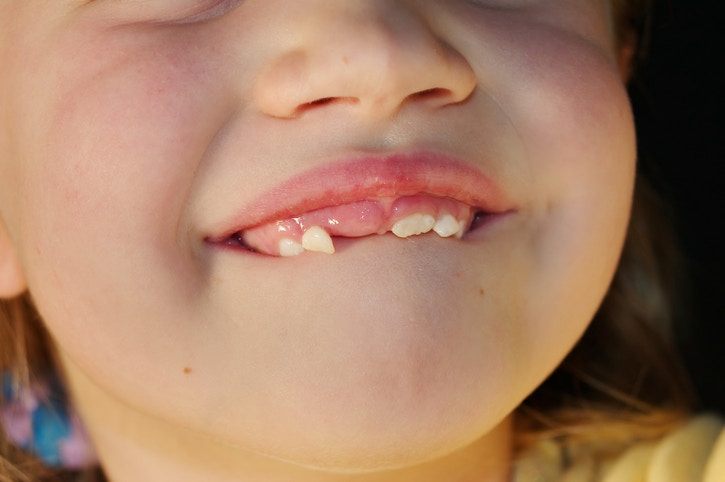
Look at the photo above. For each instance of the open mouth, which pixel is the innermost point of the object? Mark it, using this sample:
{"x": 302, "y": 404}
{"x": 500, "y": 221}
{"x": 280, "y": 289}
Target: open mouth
{"x": 402, "y": 216}
{"x": 404, "y": 194}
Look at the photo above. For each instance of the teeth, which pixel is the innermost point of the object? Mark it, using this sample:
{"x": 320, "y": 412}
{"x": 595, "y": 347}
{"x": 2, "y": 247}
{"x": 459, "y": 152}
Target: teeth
{"x": 413, "y": 225}
{"x": 317, "y": 239}
{"x": 447, "y": 226}
{"x": 290, "y": 247}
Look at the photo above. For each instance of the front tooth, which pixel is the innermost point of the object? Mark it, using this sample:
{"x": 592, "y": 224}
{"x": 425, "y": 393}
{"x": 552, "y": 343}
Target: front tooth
{"x": 290, "y": 247}
{"x": 317, "y": 239}
{"x": 447, "y": 226}
{"x": 413, "y": 225}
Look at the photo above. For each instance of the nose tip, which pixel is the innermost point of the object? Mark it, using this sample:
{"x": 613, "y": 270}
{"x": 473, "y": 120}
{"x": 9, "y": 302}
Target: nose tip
{"x": 371, "y": 65}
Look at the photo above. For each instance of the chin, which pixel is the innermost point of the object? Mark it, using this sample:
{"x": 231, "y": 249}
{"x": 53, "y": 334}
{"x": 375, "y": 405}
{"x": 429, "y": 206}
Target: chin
{"x": 389, "y": 419}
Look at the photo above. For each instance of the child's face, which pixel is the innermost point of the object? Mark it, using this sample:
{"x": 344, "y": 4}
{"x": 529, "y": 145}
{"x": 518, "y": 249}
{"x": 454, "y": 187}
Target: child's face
{"x": 135, "y": 133}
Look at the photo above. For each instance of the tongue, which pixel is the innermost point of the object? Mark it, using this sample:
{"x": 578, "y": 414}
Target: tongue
{"x": 354, "y": 220}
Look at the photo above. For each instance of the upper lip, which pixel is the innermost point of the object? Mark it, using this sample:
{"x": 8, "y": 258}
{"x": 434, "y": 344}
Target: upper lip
{"x": 369, "y": 177}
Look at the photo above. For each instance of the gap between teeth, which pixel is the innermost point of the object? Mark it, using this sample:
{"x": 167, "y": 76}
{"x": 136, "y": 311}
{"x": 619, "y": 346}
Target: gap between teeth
{"x": 317, "y": 239}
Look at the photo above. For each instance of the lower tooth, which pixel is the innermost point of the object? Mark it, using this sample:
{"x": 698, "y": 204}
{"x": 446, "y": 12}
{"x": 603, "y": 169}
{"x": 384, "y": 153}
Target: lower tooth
{"x": 317, "y": 239}
{"x": 290, "y": 247}
{"x": 413, "y": 225}
{"x": 447, "y": 226}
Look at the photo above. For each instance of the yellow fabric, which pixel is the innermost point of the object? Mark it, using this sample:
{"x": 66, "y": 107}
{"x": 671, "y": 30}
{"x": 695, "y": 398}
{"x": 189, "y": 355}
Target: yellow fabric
{"x": 715, "y": 468}
{"x": 632, "y": 465}
{"x": 682, "y": 455}
{"x": 693, "y": 453}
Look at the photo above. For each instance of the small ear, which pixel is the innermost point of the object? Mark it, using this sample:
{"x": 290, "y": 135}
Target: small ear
{"x": 12, "y": 281}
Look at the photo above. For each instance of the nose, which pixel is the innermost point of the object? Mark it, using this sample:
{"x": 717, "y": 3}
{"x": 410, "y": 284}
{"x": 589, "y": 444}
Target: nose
{"x": 373, "y": 56}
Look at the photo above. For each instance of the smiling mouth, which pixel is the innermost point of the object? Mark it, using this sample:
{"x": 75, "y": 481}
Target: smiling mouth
{"x": 403, "y": 216}
{"x": 407, "y": 195}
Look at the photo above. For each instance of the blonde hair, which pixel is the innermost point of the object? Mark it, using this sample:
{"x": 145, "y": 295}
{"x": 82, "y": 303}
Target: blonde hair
{"x": 622, "y": 381}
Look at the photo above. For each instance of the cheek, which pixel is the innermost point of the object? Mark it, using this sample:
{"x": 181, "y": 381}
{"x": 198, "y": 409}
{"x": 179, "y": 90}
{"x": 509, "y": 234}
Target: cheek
{"x": 569, "y": 108}
{"x": 110, "y": 150}
{"x": 574, "y": 118}
{"x": 582, "y": 151}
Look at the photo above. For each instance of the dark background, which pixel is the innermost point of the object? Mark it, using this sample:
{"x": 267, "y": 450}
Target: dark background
{"x": 679, "y": 104}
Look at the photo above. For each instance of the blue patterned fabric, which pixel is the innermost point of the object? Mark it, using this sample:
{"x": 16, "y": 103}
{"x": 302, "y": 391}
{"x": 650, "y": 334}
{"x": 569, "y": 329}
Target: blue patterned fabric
{"x": 38, "y": 420}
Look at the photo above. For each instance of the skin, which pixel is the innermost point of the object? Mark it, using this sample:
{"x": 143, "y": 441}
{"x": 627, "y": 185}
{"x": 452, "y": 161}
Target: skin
{"x": 130, "y": 128}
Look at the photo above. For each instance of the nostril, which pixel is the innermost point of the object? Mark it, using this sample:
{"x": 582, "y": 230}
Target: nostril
{"x": 431, "y": 93}
{"x": 318, "y": 102}
{"x": 321, "y": 102}
{"x": 433, "y": 96}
